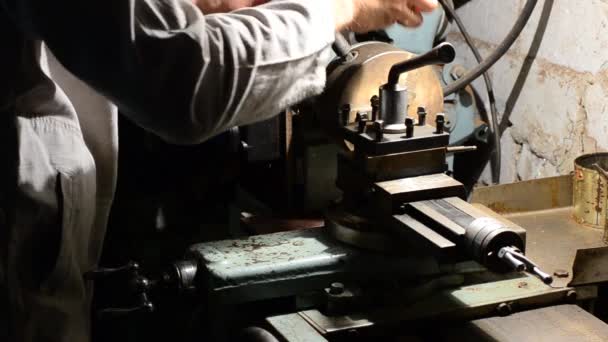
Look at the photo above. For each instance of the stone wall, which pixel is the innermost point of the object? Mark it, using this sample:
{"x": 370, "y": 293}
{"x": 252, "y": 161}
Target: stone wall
{"x": 552, "y": 85}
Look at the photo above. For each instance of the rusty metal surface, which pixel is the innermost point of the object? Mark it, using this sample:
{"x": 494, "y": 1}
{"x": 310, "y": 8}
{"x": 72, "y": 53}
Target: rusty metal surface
{"x": 534, "y": 195}
{"x": 456, "y": 302}
{"x": 561, "y": 323}
{"x": 590, "y": 266}
{"x": 293, "y": 328}
{"x": 543, "y": 208}
{"x": 553, "y": 239}
{"x": 290, "y": 263}
{"x": 590, "y": 195}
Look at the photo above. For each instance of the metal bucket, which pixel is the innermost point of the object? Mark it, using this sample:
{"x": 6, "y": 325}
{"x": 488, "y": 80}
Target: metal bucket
{"x": 590, "y": 190}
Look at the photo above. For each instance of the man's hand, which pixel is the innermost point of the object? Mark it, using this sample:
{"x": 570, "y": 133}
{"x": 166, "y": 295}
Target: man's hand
{"x": 369, "y": 15}
{"x": 223, "y": 6}
{"x": 355, "y": 15}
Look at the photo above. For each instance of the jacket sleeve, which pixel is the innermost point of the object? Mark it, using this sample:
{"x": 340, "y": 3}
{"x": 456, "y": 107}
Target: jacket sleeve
{"x": 181, "y": 74}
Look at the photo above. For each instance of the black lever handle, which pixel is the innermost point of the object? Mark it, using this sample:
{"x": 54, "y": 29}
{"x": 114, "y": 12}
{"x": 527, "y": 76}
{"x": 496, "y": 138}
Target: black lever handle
{"x": 135, "y": 284}
{"x": 145, "y": 307}
{"x": 441, "y": 54}
{"x": 341, "y": 46}
{"x": 101, "y": 273}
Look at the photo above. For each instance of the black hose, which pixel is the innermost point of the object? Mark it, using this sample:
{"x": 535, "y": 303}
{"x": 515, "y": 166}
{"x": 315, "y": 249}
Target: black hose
{"x": 497, "y": 153}
{"x": 500, "y": 51}
{"x": 483, "y": 67}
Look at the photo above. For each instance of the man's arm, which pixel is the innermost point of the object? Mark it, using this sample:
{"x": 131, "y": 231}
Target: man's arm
{"x": 224, "y": 6}
{"x": 185, "y": 76}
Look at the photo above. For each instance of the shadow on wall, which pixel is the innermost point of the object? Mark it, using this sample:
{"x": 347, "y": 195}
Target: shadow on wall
{"x": 459, "y": 3}
{"x": 527, "y": 65}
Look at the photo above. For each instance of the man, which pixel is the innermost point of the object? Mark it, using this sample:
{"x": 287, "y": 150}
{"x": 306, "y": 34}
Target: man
{"x": 173, "y": 68}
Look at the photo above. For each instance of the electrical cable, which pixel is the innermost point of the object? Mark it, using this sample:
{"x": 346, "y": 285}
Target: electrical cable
{"x": 496, "y": 155}
{"x": 483, "y": 67}
{"x": 500, "y": 51}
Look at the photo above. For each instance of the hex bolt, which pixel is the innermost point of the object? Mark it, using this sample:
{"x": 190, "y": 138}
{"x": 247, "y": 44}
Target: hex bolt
{"x": 379, "y": 127}
{"x": 336, "y": 288}
{"x": 457, "y": 72}
{"x": 561, "y": 273}
{"x": 362, "y": 122}
{"x": 439, "y": 123}
{"x": 362, "y": 116}
{"x": 421, "y": 116}
{"x": 504, "y": 309}
{"x": 409, "y": 128}
{"x": 361, "y": 126}
{"x": 375, "y": 102}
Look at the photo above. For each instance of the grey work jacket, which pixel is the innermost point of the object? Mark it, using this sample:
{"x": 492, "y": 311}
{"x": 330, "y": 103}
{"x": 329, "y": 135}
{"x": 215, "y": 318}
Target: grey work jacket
{"x": 178, "y": 73}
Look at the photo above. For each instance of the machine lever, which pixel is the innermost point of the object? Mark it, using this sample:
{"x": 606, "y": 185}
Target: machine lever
{"x": 545, "y": 277}
{"x": 512, "y": 261}
{"x": 460, "y": 149}
{"x": 145, "y": 307}
{"x": 442, "y": 54}
{"x": 341, "y": 46}
{"x": 134, "y": 282}
{"x": 515, "y": 258}
{"x": 101, "y": 273}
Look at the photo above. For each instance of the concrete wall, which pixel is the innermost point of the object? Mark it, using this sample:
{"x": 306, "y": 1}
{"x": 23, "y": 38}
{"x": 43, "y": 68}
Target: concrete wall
{"x": 552, "y": 85}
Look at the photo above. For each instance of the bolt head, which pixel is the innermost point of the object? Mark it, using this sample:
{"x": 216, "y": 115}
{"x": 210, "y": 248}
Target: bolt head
{"x": 504, "y": 309}
{"x": 148, "y": 307}
{"x": 336, "y": 288}
{"x": 571, "y": 295}
{"x": 457, "y": 72}
{"x": 561, "y": 273}
{"x": 375, "y": 101}
{"x": 361, "y": 116}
